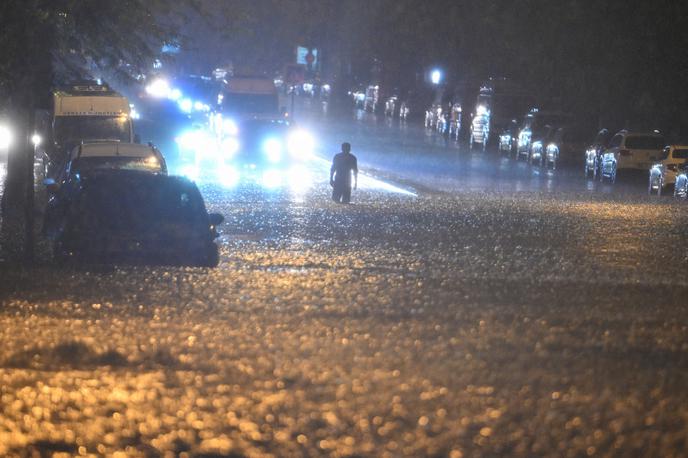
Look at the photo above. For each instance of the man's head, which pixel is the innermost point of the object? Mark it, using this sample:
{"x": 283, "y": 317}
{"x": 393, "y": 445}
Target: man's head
{"x": 346, "y": 148}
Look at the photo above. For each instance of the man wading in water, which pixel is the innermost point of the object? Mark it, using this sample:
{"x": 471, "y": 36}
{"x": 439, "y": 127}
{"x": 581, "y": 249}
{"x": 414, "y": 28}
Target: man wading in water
{"x": 343, "y": 165}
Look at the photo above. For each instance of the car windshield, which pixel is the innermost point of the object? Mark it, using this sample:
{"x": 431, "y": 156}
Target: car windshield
{"x": 71, "y": 130}
{"x": 133, "y": 205}
{"x": 250, "y": 103}
{"x": 92, "y": 164}
{"x": 261, "y": 127}
{"x": 509, "y": 106}
{"x": 552, "y": 119}
{"x": 575, "y": 135}
{"x": 541, "y": 131}
{"x": 644, "y": 142}
{"x": 254, "y": 134}
{"x": 602, "y": 138}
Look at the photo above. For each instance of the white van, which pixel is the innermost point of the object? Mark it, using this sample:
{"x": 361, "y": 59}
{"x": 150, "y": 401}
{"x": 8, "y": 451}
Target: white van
{"x": 631, "y": 151}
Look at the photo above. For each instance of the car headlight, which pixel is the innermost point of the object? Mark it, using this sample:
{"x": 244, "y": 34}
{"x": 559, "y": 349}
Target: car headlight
{"x": 194, "y": 141}
{"x": 5, "y": 137}
{"x": 229, "y": 176}
{"x": 186, "y": 105}
{"x": 272, "y": 179}
{"x": 301, "y": 144}
{"x": 229, "y": 147}
{"x": 186, "y": 141}
{"x": 158, "y": 89}
{"x": 175, "y": 94}
{"x": 200, "y": 106}
{"x": 273, "y": 149}
{"x": 229, "y": 127}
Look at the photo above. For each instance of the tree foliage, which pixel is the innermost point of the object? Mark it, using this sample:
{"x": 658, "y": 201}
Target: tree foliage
{"x": 46, "y": 41}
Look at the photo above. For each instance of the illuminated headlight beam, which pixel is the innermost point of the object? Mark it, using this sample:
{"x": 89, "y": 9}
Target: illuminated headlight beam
{"x": 368, "y": 182}
{"x": 273, "y": 150}
{"x": 301, "y": 144}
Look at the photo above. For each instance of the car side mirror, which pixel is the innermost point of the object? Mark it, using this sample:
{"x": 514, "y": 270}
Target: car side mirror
{"x": 51, "y": 185}
{"x": 216, "y": 219}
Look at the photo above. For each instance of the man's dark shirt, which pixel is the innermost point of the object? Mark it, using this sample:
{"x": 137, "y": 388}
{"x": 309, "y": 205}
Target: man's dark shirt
{"x": 342, "y": 166}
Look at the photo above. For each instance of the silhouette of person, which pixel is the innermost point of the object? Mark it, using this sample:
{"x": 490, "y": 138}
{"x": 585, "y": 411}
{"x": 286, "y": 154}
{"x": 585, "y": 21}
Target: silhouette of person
{"x": 344, "y": 165}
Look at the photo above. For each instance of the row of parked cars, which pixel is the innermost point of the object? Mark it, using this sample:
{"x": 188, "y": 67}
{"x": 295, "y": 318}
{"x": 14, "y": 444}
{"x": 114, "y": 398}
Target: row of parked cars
{"x": 627, "y": 150}
{"x": 549, "y": 138}
{"x": 115, "y": 202}
{"x": 544, "y": 138}
{"x": 445, "y": 120}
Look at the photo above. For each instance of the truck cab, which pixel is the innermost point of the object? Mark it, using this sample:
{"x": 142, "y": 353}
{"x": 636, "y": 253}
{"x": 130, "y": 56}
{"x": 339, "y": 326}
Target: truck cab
{"x": 85, "y": 112}
{"x": 250, "y": 97}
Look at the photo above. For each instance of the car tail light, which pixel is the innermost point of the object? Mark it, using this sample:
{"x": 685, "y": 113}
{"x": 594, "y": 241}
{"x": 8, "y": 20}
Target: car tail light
{"x": 624, "y": 152}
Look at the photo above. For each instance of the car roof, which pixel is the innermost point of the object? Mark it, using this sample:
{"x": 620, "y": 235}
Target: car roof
{"x": 109, "y": 149}
{"x": 629, "y": 133}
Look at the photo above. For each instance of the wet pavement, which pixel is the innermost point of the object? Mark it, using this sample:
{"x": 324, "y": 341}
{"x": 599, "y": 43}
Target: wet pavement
{"x": 455, "y": 309}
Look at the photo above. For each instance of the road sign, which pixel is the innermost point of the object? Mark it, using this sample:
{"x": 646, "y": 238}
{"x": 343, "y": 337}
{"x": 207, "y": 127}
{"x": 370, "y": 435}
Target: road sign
{"x": 307, "y": 56}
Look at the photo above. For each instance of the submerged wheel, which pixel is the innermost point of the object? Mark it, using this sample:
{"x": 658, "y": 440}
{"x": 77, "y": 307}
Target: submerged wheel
{"x": 210, "y": 257}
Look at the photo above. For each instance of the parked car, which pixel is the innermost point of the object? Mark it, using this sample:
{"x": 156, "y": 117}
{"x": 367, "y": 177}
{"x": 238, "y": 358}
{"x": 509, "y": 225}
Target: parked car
{"x": 593, "y": 153}
{"x": 630, "y": 151}
{"x": 455, "y": 121}
{"x": 131, "y": 216}
{"x": 534, "y": 127}
{"x": 540, "y": 139}
{"x": 404, "y": 110}
{"x": 372, "y": 97}
{"x": 98, "y": 156}
{"x": 391, "y": 106}
{"x": 663, "y": 174}
{"x": 565, "y": 146}
{"x": 681, "y": 185}
{"x": 480, "y": 129}
{"x": 508, "y": 138}
{"x": 432, "y": 116}
{"x": 358, "y": 96}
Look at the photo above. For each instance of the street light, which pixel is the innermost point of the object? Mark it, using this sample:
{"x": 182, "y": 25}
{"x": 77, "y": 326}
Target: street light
{"x": 436, "y": 77}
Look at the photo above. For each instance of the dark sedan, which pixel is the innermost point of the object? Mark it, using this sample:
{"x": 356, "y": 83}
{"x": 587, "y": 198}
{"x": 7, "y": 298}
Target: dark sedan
{"x": 132, "y": 217}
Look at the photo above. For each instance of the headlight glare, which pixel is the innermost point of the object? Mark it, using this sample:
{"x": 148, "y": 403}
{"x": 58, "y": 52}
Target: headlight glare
{"x": 273, "y": 149}
{"x": 301, "y": 144}
{"x": 5, "y": 137}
